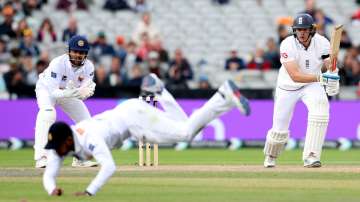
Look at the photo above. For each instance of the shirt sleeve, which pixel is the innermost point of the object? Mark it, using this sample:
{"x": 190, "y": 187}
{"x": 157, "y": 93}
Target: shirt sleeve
{"x": 54, "y": 163}
{"x": 325, "y": 47}
{"x": 103, "y": 156}
{"x": 90, "y": 71}
{"x": 53, "y": 76}
{"x": 287, "y": 52}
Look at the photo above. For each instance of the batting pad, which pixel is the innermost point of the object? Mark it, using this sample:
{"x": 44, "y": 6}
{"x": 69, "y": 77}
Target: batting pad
{"x": 315, "y": 135}
{"x": 45, "y": 118}
{"x": 275, "y": 143}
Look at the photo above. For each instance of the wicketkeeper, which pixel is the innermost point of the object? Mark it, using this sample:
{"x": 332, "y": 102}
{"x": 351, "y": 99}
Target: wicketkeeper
{"x": 66, "y": 82}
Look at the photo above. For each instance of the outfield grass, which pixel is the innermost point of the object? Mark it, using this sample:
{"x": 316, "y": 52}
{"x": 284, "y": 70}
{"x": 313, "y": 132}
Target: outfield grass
{"x": 19, "y": 181}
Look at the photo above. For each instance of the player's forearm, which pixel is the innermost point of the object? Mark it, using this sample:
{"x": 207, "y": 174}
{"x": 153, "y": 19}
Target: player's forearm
{"x": 106, "y": 171}
{"x": 303, "y": 78}
{"x": 296, "y": 75}
{"x": 51, "y": 172}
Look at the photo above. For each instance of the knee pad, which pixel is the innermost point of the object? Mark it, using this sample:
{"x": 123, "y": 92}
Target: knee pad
{"x": 45, "y": 117}
{"x": 275, "y": 143}
{"x": 47, "y": 114}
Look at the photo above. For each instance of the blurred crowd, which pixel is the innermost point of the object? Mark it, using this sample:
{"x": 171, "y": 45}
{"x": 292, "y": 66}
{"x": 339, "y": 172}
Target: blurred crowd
{"x": 24, "y": 51}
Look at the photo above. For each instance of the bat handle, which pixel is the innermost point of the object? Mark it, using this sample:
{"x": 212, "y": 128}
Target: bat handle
{"x": 333, "y": 64}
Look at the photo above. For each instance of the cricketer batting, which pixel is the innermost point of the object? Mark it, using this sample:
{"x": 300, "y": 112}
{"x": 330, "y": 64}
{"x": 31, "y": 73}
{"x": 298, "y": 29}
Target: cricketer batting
{"x": 303, "y": 56}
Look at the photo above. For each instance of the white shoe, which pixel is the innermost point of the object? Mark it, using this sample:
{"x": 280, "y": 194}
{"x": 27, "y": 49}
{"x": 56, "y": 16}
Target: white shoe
{"x": 83, "y": 163}
{"x": 230, "y": 91}
{"x": 41, "y": 163}
{"x": 312, "y": 162}
{"x": 152, "y": 84}
{"x": 269, "y": 162}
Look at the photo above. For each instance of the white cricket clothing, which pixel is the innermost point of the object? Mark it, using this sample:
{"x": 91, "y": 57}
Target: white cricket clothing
{"x": 310, "y": 60}
{"x": 60, "y": 72}
{"x": 288, "y": 92}
{"x": 96, "y": 136}
{"x": 57, "y": 76}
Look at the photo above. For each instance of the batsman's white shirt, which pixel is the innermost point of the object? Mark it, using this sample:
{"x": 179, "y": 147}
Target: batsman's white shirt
{"x": 60, "y": 72}
{"x": 309, "y": 60}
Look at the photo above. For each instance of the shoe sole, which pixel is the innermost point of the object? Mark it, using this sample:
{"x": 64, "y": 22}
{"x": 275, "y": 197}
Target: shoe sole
{"x": 83, "y": 166}
{"x": 316, "y": 164}
{"x": 244, "y": 102}
{"x": 269, "y": 166}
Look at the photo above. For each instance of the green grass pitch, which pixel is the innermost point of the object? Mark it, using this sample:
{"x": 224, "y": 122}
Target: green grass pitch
{"x": 193, "y": 175}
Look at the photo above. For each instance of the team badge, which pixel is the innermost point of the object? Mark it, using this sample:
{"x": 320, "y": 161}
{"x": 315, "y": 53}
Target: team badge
{"x": 81, "y": 43}
{"x": 91, "y": 147}
{"x": 53, "y": 75}
{"x": 307, "y": 64}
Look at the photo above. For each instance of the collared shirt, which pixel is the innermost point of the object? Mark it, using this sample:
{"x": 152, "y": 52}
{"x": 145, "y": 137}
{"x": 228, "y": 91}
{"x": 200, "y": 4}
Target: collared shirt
{"x": 60, "y": 72}
{"x": 309, "y": 60}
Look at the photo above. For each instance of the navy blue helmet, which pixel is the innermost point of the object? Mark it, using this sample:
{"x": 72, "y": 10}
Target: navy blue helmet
{"x": 304, "y": 21}
{"x": 80, "y": 44}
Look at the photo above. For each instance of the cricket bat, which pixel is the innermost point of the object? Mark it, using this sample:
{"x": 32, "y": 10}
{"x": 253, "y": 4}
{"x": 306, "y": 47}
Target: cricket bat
{"x": 335, "y": 45}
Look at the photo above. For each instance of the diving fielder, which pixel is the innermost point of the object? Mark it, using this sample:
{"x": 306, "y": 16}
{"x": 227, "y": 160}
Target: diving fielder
{"x": 66, "y": 82}
{"x": 96, "y": 136}
{"x": 303, "y": 56}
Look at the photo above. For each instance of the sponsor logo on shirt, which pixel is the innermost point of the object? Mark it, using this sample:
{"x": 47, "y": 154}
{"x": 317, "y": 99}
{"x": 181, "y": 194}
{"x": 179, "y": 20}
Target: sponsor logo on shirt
{"x": 284, "y": 55}
{"x": 92, "y": 74}
{"x": 64, "y": 78}
{"x": 91, "y": 147}
{"x": 53, "y": 75}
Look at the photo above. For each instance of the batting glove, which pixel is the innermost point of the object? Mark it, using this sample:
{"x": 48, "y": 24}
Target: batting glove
{"x": 328, "y": 78}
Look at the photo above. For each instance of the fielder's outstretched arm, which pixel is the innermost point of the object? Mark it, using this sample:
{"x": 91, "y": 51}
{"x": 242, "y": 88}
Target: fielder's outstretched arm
{"x": 54, "y": 162}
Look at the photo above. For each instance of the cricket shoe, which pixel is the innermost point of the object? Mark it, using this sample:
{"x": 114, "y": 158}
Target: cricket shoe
{"x": 231, "y": 92}
{"x": 269, "y": 162}
{"x": 83, "y": 163}
{"x": 312, "y": 162}
{"x": 152, "y": 84}
{"x": 41, "y": 163}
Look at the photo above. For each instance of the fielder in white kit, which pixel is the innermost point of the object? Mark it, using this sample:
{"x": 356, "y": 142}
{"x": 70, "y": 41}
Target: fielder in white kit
{"x": 303, "y": 56}
{"x": 95, "y": 137}
{"x": 65, "y": 82}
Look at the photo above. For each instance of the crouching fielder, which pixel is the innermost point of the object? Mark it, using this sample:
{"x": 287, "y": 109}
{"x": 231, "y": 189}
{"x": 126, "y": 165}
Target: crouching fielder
{"x": 66, "y": 82}
{"x": 302, "y": 56}
{"x": 95, "y": 137}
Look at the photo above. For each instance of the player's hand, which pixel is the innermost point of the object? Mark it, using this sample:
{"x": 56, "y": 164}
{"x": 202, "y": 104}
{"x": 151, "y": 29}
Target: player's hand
{"x": 333, "y": 87}
{"x": 72, "y": 93}
{"x": 57, "y": 192}
{"x": 87, "y": 90}
{"x": 328, "y": 78}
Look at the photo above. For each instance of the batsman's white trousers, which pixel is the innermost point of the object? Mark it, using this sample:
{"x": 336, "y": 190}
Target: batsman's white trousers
{"x": 285, "y": 101}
